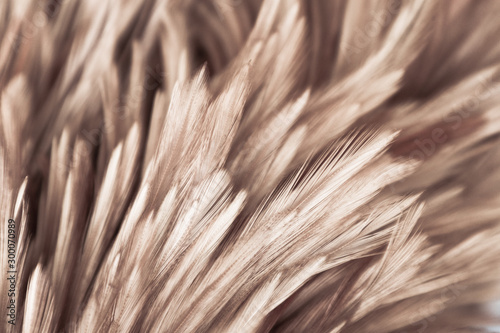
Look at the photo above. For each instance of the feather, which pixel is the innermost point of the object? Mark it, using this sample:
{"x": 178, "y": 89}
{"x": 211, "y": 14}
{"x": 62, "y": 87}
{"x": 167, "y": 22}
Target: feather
{"x": 249, "y": 166}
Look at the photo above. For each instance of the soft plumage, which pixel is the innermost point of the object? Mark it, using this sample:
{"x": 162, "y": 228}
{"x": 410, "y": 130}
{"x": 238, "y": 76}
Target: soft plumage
{"x": 250, "y": 166}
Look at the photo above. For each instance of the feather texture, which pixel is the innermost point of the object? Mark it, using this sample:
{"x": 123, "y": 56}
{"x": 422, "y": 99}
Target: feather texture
{"x": 249, "y": 166}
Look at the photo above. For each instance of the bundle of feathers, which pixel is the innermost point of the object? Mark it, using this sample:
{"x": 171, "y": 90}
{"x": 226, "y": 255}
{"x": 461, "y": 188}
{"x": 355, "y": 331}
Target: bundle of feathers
{"x": 249, "y": 166}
